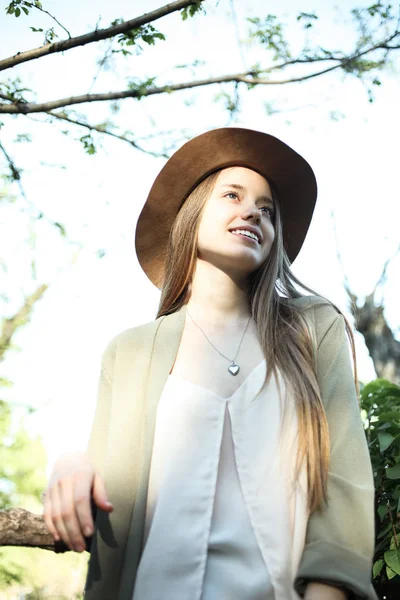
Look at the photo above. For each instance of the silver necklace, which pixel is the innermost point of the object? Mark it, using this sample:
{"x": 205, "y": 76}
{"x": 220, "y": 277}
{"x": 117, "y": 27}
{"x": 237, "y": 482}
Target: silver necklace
{"x": 233, "y": 367}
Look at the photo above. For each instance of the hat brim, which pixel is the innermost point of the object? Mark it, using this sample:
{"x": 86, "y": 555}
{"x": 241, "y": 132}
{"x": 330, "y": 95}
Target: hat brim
{"x": 212, "y": 151}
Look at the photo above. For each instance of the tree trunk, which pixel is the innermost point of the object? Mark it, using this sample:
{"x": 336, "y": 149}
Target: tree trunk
{"x": 384, "y": 349}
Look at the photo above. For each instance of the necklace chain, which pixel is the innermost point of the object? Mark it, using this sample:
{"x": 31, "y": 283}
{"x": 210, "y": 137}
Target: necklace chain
{"x": 227, "y": 358}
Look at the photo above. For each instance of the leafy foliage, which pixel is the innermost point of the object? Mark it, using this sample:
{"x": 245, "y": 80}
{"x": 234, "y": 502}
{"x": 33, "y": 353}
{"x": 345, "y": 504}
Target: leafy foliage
{"x": 270, "y": 33}
{"x": 190, "y": 11}
{"x": 17, "y": 7}
{"x": 22, "y": 477}
{"x": 141, "y": 86}
{"x": 308, "y": 19}
{"x": 13, "y": 90}
{"x": 147, "y": 33}
{"x": 89, "y": 147}
{"x": 380, "y": 404}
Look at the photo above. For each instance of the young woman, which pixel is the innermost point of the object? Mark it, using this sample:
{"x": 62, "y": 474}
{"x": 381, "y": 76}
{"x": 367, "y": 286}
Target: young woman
{"x": 227, "y": 458}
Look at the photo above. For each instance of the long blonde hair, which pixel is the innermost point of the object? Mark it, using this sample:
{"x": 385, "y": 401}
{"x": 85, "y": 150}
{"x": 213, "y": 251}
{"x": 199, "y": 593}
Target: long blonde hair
{"x": 282, "y": 328}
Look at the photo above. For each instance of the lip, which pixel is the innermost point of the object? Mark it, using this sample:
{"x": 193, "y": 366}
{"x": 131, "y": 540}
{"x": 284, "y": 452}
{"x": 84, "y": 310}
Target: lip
{"x": 252, "y": 230}
{"x": 247, "y": 239}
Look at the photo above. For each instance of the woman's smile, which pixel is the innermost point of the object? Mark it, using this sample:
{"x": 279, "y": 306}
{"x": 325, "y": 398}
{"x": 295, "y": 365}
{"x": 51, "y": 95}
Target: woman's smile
{"x": 247, "y": 235}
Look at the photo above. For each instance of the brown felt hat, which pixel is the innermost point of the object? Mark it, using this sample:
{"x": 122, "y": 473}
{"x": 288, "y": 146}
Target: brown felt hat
{"x": 209, "y": 152}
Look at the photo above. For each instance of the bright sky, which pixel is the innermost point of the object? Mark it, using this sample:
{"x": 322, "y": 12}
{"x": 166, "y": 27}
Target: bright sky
{"x": 98, "y": 198}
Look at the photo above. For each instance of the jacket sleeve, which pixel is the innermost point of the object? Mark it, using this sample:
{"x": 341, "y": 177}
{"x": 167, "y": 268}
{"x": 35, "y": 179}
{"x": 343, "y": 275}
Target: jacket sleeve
{"x": 340, "y": 540}
{"x": 98, "y": 439}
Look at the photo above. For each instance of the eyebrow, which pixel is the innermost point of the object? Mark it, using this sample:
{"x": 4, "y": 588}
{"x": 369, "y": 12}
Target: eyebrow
{"x": 237, "y": 186}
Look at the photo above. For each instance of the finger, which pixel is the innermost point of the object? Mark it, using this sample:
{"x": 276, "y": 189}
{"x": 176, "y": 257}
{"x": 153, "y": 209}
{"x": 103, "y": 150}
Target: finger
{"x": 68, "y": 514}
{"x": 100, "y": 494}
{"x": 56, "y": 515}
{"x": 82, "y": 489}
{"x": 47, "y": 516}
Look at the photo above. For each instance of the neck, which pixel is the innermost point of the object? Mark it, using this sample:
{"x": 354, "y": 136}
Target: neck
{"x": 216, "y": 297}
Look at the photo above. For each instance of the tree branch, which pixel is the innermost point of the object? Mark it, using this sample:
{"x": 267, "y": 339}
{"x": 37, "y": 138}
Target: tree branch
{"x": 18, "y": 527}
{"x": 385, "y": 266}
{"x": 247, "y": 78}
{"x": 94, "y": 36}
{"x": 16, "y": 176}
{"x": 102, "y": 129}
{"x": 28, "y": 107}
{"x": 21, "y": 317}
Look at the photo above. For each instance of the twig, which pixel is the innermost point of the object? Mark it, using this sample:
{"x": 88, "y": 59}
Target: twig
{"x": 385, "y": 266}
{"x": 50, "y": 15}
{"x": 101, "y": 129}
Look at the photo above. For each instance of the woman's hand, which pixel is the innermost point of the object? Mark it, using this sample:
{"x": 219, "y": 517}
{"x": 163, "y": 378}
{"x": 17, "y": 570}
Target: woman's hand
{"x": 67, "y": 500}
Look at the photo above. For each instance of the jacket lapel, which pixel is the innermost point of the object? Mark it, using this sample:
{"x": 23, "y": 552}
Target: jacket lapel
{"x": 163, "y": 354}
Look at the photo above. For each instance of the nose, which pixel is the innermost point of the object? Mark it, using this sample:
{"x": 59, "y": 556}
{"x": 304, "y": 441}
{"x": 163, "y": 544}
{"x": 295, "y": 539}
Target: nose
{"x": 251, "y": 212}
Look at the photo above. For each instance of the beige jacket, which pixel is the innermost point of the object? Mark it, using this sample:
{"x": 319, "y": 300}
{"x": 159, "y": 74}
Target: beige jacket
{"x": 339, "y": 543}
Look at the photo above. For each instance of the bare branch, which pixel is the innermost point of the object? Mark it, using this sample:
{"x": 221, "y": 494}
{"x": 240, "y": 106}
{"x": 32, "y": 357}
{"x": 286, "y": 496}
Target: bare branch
{"x": 16, "y": 176}
{"x": 15, "y": 172}
{"x": 95, "y": 36}
{"x": 103, "y": 129}
{"x": 28, "y": 107}
{"x": 20, "y": 318}
{"x": 346, "y": 283}
{"x": 385, "y": 266}
{"x": 18, "y": 527}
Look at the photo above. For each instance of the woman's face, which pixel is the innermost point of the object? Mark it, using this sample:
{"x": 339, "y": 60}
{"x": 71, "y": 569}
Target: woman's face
{"x": 236, "y": 229}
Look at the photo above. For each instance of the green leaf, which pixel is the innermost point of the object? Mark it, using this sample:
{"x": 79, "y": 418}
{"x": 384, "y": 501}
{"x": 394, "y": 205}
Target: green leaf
{"x": 391, "y": 415}
{"x": 382, "y": 511}
{"x": 385, "y": 439}
{"x": 377, "y": 568}
{"x": 392, "y": 559}
{"x": 393, "y": 472}
{"x": 390, "y": 573}
{"x": 393, "y": 543}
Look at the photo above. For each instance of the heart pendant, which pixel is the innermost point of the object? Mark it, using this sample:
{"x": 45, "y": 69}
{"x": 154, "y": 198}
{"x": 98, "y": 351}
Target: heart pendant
{"x": 234, "y": 369}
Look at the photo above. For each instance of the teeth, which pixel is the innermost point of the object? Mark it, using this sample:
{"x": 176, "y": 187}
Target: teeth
{"x": 245, "y": 232}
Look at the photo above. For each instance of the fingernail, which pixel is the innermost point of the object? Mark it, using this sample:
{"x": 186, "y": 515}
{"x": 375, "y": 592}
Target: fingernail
{"x": 87, "y": 531}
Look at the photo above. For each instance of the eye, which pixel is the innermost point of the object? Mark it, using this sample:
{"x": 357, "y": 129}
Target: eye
{"x": 269, "y": 210}
{"x": 232, "y": 194}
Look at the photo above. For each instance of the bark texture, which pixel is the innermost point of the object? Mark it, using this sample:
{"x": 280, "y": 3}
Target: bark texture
{"x": 19, "y": 527}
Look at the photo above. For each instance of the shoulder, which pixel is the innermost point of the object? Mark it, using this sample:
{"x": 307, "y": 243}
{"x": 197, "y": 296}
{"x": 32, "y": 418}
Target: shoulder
{"x": 134, "y": 336}
{"x": 130, "y": 340}
{"x": 321, "y": 313}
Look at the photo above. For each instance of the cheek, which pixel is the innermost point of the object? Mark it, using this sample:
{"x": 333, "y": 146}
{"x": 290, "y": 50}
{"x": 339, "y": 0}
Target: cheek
{"x": 206, "y": 232}
{"x": 269, "y": 236}
{"x": 212, "y": 225}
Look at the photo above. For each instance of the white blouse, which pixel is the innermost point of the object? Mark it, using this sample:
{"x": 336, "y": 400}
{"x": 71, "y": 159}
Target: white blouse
{"x": 223, "y": 518}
